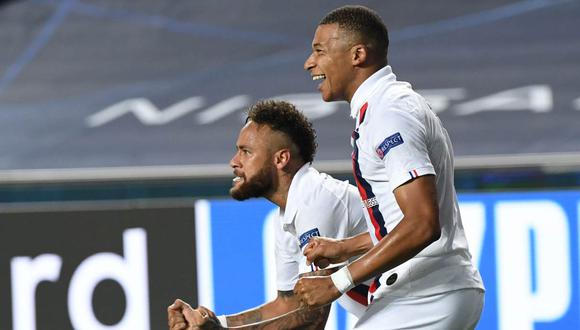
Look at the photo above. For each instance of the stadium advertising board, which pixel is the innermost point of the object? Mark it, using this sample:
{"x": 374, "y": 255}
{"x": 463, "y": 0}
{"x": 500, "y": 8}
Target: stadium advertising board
{"x": 525, "y": 244}
{"x": 94, "y": 266}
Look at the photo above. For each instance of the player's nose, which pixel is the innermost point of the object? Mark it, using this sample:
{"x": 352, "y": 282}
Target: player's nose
{"x": 309, "y": 63}
{"x": 235, "y": 161}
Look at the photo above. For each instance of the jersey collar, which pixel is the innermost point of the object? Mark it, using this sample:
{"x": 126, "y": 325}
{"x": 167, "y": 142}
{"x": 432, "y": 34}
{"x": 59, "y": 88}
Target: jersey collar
{"x": 294, "y": 196}
{"x": 364, "y": 90}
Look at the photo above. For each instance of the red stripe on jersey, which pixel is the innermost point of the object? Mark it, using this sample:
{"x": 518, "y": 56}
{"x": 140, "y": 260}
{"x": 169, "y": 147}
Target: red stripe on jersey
{"x": 363, "y": 112}
{"x": 375, "y": 285}
{"x": 364, "y": 188}
{"x": 359, "y": 298}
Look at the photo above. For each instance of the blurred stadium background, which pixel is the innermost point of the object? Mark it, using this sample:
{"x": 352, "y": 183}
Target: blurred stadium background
{"x": 118, "y": 119}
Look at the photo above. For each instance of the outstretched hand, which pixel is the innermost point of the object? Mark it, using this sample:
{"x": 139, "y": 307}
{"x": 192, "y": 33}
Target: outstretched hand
{"x": 322, "y": 251}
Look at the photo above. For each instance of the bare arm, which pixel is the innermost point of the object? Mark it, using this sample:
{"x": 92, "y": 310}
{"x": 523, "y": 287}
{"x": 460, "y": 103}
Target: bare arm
{"x": 323, "y": 250}
{"x": 301, "y": 318}
{"x": 417, "y": 230}
{"x": 284, "y": 312}
{"x": 181, "y": 316}
{"x": 285, "y": 302}
{"x": 358, "y": 245}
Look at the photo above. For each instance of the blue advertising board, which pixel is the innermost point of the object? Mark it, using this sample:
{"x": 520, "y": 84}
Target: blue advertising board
{"x": 524, "y": 243}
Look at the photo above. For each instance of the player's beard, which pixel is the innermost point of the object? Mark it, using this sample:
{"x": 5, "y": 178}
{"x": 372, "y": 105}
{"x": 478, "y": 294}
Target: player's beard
{"x": 259, "y": 186}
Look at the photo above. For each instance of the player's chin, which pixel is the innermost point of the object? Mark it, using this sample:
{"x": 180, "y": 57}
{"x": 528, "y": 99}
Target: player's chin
{"x": 235, "y": 192}
{"x": 327, "y": 95}
{"x": 238, "y": 193}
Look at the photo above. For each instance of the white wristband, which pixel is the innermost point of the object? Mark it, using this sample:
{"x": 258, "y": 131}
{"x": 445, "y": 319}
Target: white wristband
{"x": 223, "y": 320}
{"x": 342, "y": 280}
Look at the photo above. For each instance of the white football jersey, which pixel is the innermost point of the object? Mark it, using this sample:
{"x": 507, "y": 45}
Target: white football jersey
{"x": 398, "y": 138}
{"x": 317, "y": 205}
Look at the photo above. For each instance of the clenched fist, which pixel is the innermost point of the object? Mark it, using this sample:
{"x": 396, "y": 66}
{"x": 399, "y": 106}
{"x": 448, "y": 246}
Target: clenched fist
{"x": 181, "y": 316}
{"x": 316, "y": 291}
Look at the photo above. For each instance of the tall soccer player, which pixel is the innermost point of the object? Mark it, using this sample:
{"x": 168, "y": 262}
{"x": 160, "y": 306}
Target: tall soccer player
{"x": 418, "y": 258}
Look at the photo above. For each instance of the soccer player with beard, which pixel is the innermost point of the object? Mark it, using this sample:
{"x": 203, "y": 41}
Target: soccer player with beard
{"x": 274, "y": 151}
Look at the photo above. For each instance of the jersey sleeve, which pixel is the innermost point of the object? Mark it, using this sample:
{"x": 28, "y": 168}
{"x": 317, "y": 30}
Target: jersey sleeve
{"x": 334, "y": 211}
{"x": 326, "y": 216}
{"x": 400, "y": 141}
{"x": 286, "y": 263}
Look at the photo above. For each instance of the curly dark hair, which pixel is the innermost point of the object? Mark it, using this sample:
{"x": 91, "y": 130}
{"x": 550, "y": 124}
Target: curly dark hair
{"x": 284, "y": 117}
{"x": 365, "y": 23}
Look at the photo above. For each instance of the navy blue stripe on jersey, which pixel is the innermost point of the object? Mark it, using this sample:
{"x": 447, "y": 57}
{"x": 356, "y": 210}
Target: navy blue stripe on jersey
{"x": 366, "y": 193}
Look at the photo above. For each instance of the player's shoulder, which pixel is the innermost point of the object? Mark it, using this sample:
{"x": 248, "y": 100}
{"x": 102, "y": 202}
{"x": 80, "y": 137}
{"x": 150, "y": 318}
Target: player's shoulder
{"x": 321, "y": 184}
{"x": 403, "y": 111}
{"x": 396, "y": 96}
{"x": 339, "y": 199}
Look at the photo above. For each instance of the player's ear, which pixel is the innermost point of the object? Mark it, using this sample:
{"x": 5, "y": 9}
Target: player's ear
{"x": 359, "y": 54}
{"x": 282, "y": 158}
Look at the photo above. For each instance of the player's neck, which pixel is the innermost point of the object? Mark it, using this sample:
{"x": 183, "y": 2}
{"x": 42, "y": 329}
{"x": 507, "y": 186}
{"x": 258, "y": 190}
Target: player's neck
{"x": 279, "y": 195}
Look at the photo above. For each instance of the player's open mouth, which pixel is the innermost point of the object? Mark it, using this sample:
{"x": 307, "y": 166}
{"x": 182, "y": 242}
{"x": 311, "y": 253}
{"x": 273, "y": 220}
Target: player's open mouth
{"x": 318, "y": 77}
{"x": 237, "y": 179}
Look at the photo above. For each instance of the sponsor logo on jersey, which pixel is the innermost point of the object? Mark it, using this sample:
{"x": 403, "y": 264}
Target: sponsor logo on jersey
{"x": 371, "y": 202}
{"x": 389, "y": 143}
{"x": 305, "y": 238}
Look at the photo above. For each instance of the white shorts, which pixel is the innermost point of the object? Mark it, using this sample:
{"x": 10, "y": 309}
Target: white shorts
{"x": 455, "y": 310}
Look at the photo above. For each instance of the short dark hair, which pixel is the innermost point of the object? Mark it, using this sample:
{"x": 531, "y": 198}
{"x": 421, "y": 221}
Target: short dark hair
{"x": 365, "y": 23}
{"x": 284, "y": 117}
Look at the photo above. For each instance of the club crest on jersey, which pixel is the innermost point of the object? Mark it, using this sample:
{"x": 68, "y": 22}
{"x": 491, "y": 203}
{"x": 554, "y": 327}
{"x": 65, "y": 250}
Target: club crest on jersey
{"x": 389, "y": 143}
{"x": 305, "y": 238}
